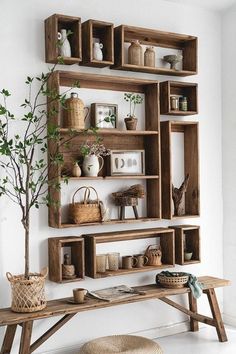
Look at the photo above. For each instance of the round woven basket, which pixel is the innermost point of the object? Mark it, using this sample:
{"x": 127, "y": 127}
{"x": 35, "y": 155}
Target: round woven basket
{"x": 177, "y": 280}
{"x": 123, "y": 344}
{"x": 28, "y": 295}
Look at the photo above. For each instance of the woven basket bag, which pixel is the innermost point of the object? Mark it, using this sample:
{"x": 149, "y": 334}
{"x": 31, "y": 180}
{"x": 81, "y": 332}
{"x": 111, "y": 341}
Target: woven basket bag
{"x": 87, "y": 210}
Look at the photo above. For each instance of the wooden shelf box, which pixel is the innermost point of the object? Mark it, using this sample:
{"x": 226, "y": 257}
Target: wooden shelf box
{"x": 55, "y": 255}
{"x": 102, "y": 32}
{"x": 147, "y": 140}
{"x": 166, "y": 238}
{"x": 187, "y": 237}
{"x": 178, "y": 88}
{"x": 53, "y": 25}
{"x": 191, "y": 167}
{"x": 149, "y": 37}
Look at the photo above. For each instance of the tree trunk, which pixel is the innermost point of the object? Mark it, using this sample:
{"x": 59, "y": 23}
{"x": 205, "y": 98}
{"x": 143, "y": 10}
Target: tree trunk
{"x": 26, "y": 224}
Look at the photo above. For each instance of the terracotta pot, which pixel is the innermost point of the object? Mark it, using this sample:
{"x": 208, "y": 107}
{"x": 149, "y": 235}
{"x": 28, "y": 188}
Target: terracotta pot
{"x": 131, "y": 123}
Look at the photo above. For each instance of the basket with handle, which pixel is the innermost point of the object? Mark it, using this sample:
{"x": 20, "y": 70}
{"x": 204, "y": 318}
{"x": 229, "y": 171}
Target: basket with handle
{"x": 87, "y": 210}
{"x": 28, "y": 295}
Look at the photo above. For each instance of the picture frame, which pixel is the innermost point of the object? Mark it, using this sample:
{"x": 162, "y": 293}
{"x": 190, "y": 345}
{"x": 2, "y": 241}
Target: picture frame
{"x": 99, "y": 111}
{"x": 127, "y": 162}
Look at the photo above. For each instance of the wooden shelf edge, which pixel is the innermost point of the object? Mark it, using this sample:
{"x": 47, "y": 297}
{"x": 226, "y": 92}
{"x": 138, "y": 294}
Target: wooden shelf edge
{"x": 111, "y": 132}
{"x": 64, "y": 281}
{"x": 110, "y": 177}
{"x": 191, "y": 262}
{"x": 156, "y": 70}
{"x": 179, "y": 113}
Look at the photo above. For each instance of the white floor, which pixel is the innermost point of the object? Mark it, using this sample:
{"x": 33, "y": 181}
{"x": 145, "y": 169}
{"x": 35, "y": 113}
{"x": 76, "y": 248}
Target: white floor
{"x": 203, "y": 342}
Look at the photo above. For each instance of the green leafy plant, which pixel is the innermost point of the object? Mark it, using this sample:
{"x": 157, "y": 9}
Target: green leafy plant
{"x": 133, "y": 100}
{"x": 23, "y": 155}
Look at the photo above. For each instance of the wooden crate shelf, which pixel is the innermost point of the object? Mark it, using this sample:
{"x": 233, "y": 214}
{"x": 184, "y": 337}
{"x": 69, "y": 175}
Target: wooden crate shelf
{"x": 55, "y": 251}
{"x": 165, "y": 235}
{"x": 53, "y": 25}
{"x": 187, "y": 237}
{"x": 178, "y": 88}
{"x": 191, "y": 167}
{"x": 147, "y": 139}
{"x": 104, "y": 32}
{"x": 187, "y": 44}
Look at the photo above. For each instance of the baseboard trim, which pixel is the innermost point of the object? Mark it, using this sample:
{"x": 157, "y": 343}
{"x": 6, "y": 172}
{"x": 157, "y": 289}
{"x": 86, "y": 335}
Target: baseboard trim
{"x": 229, "y": 320}
{"x": 152, "y": 333}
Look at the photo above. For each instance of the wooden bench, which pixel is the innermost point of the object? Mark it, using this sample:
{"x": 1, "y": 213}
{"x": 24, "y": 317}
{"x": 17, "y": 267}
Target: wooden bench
{"x": 61, "y": 307}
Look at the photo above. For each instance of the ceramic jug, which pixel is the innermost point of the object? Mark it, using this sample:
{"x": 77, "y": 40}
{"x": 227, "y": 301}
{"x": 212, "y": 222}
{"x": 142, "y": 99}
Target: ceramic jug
{"x": 64, "y": 48}
{"x": 97, "y": 51}
{"x": 91, "y": 165}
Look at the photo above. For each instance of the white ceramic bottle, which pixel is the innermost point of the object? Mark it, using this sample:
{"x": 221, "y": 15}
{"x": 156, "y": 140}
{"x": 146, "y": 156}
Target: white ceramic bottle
{"x": 64, "y": 48}
{"x": 97, "y": 51}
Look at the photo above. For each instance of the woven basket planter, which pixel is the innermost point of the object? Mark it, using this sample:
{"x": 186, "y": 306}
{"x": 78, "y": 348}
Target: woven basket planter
{"x": 28, "y": 295}
{"x": 175, "y": 281}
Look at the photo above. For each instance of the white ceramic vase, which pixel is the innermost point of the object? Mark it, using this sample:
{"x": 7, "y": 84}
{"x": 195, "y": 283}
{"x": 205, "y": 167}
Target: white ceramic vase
{"x": 91, "y": 165}
{"x": 64, "y": 49}
{"x": 97, "y": 51}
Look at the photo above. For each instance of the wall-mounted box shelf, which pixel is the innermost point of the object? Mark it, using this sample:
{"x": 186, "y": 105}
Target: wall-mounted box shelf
{"x": 53, "y": 25}
{"x": 187, "y": 237}
{"x": 191, "y": 167}
{"x": 102, "y": 32}
{"x": 147, "y": 140}
{"x": 166, "y": 238}
{"x": 178, "y": 88}
{"x": 187, "y": 44}
{"x": 55, "y": 255}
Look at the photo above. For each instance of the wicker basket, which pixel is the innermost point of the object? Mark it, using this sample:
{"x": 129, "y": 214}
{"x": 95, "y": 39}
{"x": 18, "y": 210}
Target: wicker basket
{"x": 87, "y": 210}
{"x": 74, "y": 114}
{"x": 177, "y": 280}
{"x": 28, "y": 295}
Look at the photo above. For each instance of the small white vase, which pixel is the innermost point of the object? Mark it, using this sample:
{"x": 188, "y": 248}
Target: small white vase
{"x": 91, "y": 165}
{"x": 97, "y": 51}
{"x": 64, "y": 48}
{"x": 76, "y": 171}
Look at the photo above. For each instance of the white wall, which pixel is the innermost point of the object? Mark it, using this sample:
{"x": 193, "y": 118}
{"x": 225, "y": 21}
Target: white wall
{"x": 22, "y": 53}
{"x": 229, "y": 159}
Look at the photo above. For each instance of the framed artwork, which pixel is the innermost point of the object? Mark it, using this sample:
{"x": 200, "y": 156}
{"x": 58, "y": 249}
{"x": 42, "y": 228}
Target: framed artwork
{"x": 104, "y": 115}
{"x": 127, "y": 162}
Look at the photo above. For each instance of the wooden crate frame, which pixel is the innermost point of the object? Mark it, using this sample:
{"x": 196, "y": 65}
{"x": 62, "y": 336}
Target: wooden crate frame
{"x": 55, "y": 245}
{"x": 53, "y": 25}
{"x": 105, "y": 32}
{"x": 188, "y": 45}
{"x": 189, "y": 235}
{"x": 188, "y": 89}
{"x": 166, "y": 236}
{"x": 147, "y": 139}
{"x": 191, "y": 166}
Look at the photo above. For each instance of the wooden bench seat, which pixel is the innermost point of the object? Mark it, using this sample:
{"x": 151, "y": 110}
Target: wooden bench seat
{"x": 62, "y": 307}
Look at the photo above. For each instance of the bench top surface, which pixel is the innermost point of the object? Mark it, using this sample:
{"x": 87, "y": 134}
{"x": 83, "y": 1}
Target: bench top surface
{"x": 62, "y": 307}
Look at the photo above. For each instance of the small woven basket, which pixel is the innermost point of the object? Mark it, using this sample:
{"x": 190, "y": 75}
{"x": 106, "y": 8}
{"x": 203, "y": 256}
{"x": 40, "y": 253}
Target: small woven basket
{"x": 28, "y": 295}
{"x": 177, "y": 280}
{"x": 87, "y": 210}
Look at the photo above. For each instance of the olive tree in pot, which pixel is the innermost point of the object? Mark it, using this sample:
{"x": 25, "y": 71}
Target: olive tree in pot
{"x": 24, "y": 175}
{"x": 131, "y": 120}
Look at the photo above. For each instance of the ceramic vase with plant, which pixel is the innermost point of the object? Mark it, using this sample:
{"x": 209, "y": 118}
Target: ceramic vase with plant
{"x": 25, "y": 172}
{"x": 131, "y": 120}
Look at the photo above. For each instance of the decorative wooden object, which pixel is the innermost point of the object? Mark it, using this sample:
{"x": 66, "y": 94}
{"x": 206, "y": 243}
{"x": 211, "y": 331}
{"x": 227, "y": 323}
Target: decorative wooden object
{"x": 178, "y": 195}
{"x": 191, "y": 167}
{"x": 147, "y": 140}
{"x": 53, "y": 25}
{"x": 104, "y": 31}
{"x": 165, "y": 235}
{"x": 61, "y": 307}
{"x": 178, "y": 88}
{"x": 55, "y": 250}
{"x": 187, "y": 237}
{"x": 187, "y": 44}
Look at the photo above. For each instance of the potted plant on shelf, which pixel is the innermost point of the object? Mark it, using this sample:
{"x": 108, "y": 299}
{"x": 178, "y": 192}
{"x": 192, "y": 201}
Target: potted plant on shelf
{"x": 92, "y": 152}
{"x": 131, "y": 120}
{"x": 24, "y": 177}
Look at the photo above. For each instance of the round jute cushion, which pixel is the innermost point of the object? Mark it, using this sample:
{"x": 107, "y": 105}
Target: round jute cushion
{"x": 123, "y": 344}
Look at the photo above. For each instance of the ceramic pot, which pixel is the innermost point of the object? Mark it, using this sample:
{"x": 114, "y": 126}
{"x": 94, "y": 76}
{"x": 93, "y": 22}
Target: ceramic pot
{"x": 64, "y": 48}
{"x": 131, "y": 123}
{"x": 76, "y": 171}
{"x": 97, "y": 51}
{"x": 149, "y": 57}
{"x": 135, "y": 53}
{"x": 91, "y": 165}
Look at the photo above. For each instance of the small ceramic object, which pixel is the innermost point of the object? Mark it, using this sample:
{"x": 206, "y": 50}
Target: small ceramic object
{"x": 188, "y": 256}
{"x": 79, "y": 295}
{"x": 68, "y": 269}
{"x": 174, "y": 103}
{"x": 142, "y": 260}
{"x": 91, "y": 166}
{"x": 97, "y": 51}
{"x": 113, "y": 261}
{"x": 64, "y": 48}
{"x": 76, "y": 171}
{"x": 128, "y": 262}
{"x": 173, "y": 59}
{"x": 183, "y": 104}
{"x": 135, "y": 53}
{"x": 101, "y": 263}
{"x": 131, "y": 123}
{"x": 149, "y": 57}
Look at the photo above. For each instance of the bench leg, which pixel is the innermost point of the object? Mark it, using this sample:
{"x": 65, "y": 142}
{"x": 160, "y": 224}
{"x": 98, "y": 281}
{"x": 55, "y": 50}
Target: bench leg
{"x": 193, "y": 307}
{"x": 26, "y": 337}
{"x": 8, "y": 339}
{"x": 216, "y": 314}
